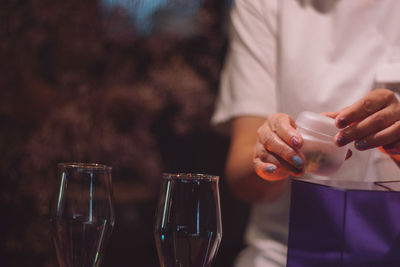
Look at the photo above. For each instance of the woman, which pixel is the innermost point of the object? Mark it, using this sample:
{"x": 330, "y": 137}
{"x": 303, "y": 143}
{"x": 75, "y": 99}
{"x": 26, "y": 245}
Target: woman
{"x": 288, "y": 56}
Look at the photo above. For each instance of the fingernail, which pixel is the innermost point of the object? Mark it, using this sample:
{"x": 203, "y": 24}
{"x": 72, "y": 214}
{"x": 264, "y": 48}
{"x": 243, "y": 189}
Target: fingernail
{"x": 341, "y": 122}
{"x": 360, "y": 145}
{"x": 297, "y": 161}
{"x": 295, "y": 141}
{"x": 270, "y": 169}
{"x": 341, "y": 140}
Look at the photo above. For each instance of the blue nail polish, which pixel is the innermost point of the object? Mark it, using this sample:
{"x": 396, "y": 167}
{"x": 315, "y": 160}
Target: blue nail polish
{"x": 298, "y": 162}
{"x": 362, "y": 144}
{"x": 271, "y": 169}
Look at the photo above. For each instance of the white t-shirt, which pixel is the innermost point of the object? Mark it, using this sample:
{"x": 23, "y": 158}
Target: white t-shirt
{"x": 295, "y": 55}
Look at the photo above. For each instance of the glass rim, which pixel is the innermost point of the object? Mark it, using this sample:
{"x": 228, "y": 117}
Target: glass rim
{"x": 189, "y": 176}
{"x": 84, "y": 165}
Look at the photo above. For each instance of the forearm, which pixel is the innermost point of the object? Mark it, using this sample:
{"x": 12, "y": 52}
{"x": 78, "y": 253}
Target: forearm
{"x": 246, "y": 184}
{"x": 241, "y": 177}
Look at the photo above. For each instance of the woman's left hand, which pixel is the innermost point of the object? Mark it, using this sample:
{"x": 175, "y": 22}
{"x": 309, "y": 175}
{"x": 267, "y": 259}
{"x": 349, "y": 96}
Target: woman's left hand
{"x": 373, "y": 121}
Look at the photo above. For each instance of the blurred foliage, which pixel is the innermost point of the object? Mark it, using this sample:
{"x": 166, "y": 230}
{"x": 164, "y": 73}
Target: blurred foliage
{"x": 78, "y": 84}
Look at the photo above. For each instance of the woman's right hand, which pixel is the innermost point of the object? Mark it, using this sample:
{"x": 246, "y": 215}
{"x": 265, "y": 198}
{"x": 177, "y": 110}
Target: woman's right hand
{"x": 276, "y": 153}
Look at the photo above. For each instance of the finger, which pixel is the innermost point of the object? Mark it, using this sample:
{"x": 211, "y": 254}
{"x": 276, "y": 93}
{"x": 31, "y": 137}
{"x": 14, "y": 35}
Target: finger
{"x": 370, "y": 125}
{"x": 264, "y": 155}
{"x": 277, "y": 146}
{"x": 285, "y": 128}
{"x": 371, "y": 103}
{"x": 330, "y": 114}
{"x": 274, "y": 172}
{"x": 269, "y": 171}
{"x": 385, "y": 137}
{"x": 275, "y": 161}
{"x": 280, "y": 137}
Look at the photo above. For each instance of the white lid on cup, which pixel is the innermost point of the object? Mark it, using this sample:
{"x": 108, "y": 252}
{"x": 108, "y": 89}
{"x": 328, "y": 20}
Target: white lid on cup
{"x": 317, "y": 123}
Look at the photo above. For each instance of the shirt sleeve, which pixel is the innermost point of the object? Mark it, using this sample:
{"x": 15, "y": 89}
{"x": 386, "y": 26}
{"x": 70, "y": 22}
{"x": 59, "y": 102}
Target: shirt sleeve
{"x": 248, "y": 79}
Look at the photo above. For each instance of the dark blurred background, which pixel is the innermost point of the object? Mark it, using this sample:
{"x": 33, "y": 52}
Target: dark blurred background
{"x": 95, "y": 81}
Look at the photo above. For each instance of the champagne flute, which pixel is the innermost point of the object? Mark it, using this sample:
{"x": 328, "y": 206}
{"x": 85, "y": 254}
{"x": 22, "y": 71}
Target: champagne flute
{"x": 188, "y": 227}
{"x": 82, "y": 215}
